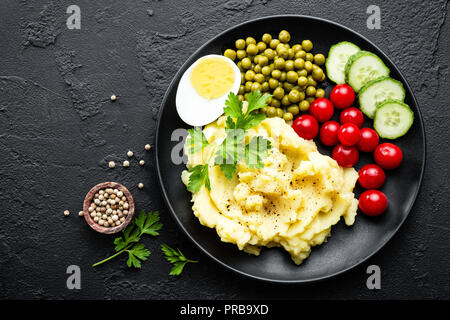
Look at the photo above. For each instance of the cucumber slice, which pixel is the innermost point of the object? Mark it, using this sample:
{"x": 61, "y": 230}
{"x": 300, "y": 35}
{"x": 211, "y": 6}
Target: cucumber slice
{"x": 362, "y": 67}
{"x": 337, "y": 59}
{"x": 393, "y": 118}
{"x": 378, "y": 90}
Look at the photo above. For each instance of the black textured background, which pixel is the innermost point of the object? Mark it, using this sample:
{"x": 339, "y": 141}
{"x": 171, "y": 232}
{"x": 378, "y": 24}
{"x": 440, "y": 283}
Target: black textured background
{"x": 58, "y": 130}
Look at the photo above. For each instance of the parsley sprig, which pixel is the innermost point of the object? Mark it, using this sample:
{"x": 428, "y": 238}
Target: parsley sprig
{"x": 145, "y": 223}
{"x": 233, "y": 148}
{"x": 175, "y": 257}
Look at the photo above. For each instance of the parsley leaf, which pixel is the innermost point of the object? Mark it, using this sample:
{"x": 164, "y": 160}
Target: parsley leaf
{"x": 197, "y": 140}
{"x": 199, "y": 175}
{"x": 256, "y": 101}
{"x": 233, "y": 107}
{"x": 176, "y": 258}
{"x": 144, "y": 223}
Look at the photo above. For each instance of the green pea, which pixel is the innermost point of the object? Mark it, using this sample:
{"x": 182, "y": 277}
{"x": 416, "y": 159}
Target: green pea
{"x": 320, "y": 93}
{"x": 307, "y": 45}
{"x": 241, "y": 97}
{"x": 273, "y": 43}
{"x": 299, "y": 63}
{"x": 257, "y": 68}
{"x": 271, "y": 112}
{"x": 283, "y": 52}
{"x": 241, "y": 54}
{"x": 280, "y": 113}
{"x": 294, "y": 96}
{"x": 309, "y": 56}
{"x": 265, "y": 86}
{"x": 269, "y": 53}
{"x": 311, "y": 91}
{"x": 241, "y": 89}
{"x": 293, "y": 109}
{"x": 323, "y": 77}
{"x": 257, "y": 86}
{"x": 275, "y": 103}
{"x": 250, "y": 40}
{"x": 304, "y": 106}
{"x": 285, "y": 100}
{"x": 300, "y": 54}
{"x": 240, "y": 44}
{"x": 252, "y": 49}
{"x": 296, "y": 47}
{"x": 278, "y": 93}
{"x": 242, "y": 78}
{"x": 266, "y": 38}
{"x": 288, "y": 116}
{"x": 239, "y": 65}
{"x": 289, "y": 65}
{"x": 284, "y": 36}
{"x": 291, "y": 53}
{"x": 291, "y": 76}
{"x": 276, "y": 74}
{"x": 288, "y": 86}
{"x": 310, "y": 99}
{"x": 246, "y": 63}
{"x": 265, "y": 70}
{"x": 279, "y": 63}
{"x": 319, "y": 59}
{"x": 283, "y": 76}
{"x": 311, "y": 81}
{"x": 264, "y": 110}
{"x": 317, "y": 74}
{"x": 255, "y": 58}
{"x": 249, "y": 75}
{"x": 308, "y": 66}
{"x": 273, "y": 83}
{"x": 261, "y": 46}
{"x": 302, "y": 81}
{"x": 248, "y": 86}
{"x": 230, "y": 53}
{"x": 263, "y": 61}
{"x": 302, "y": 73}
{"x": 259, "y": 77}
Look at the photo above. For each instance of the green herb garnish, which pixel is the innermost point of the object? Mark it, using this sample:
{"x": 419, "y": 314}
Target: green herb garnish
{"x": 233, "y": 148}
{"x": 175, "y": 257}
{"x": 145, "y": 223}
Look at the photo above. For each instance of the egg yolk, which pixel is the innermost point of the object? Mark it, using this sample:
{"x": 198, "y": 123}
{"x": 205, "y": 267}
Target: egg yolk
{"x": 212, "y": 77}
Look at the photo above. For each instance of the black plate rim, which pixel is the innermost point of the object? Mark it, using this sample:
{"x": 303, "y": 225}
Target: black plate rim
{"x": 242, "y": 273}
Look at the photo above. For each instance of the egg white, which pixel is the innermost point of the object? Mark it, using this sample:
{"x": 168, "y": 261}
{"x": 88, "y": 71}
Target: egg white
{"x": 193, "y": 108}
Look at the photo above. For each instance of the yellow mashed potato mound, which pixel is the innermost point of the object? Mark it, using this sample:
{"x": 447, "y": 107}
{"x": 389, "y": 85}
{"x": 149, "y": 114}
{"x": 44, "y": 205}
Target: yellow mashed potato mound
{"x": 292, "y": 202}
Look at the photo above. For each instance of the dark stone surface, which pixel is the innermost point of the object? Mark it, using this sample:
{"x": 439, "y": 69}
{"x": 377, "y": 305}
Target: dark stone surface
{"x": 59, "y": 129}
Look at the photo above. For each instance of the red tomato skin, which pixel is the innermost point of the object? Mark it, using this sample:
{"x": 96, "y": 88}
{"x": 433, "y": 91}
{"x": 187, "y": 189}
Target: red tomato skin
{"x": 306, "y": 126}
{"x": 373, "y": 203}
{"x": 349, "y": 134}
{"x": 388, "y": 156}
{"x": 352, "y": 115}
{"x": 328, "y": 133}
{"x": 342, "y": 96}
{"x": 371, "y": 176}
{"x": 322, "y": 109}
{"x": 369, "y": 140}
{"x": 345, "y": 156}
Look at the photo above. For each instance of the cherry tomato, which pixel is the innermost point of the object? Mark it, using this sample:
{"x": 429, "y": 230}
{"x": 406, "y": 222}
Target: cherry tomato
{"x": 388, "y": 156}
{"x": 371, "y": 176}
{"x": 352, "y": 115}
{"x": 345, "y": 156}
{"x": 342, "y": 96}
{"x": 373, "y": 203}
{"x": 322, "y": 109}
{"x": 369, "y": 140}
{"x": 328, "y": 133}
{"x": 306, "y": 126}
{"x": 349, "y": 134}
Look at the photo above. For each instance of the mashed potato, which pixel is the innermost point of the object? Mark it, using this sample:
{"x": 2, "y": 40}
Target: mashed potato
{"x": 292, "y": 202}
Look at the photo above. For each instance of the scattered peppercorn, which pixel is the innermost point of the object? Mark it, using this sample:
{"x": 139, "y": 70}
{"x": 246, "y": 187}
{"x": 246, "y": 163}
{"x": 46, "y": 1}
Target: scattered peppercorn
{"x": 126, "y": 163}
{"x": 130, "y": 154}
{"x": 141, "y": 163}
{"x": 147, "y": 147}
{"x": 111, "y": 164}
{"x": 113, "y": 97}
{"x": 140, "y": 185}
{"x": 66, "y": 212}
{"x": 81, "y": 213}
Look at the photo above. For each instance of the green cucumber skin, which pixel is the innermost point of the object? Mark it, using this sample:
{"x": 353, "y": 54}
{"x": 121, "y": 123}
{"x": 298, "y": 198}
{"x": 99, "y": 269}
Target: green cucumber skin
{"x": 330, "y": 51}
{"x": 380, "y": 105}
{"x": 368, "y": 84}
{"x": 355, "y": 57}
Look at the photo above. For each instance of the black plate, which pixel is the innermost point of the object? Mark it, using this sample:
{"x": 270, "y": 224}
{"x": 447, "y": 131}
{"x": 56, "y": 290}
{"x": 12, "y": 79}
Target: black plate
{"x": 348, "y": 246}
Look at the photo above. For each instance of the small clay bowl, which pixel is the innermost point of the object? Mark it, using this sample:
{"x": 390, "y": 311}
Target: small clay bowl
{"x": 88, "y": 200}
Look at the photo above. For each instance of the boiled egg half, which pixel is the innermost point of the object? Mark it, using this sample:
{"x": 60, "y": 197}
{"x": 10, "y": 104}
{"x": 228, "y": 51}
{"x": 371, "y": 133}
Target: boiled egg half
{"x": 204, "y": 88}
